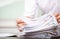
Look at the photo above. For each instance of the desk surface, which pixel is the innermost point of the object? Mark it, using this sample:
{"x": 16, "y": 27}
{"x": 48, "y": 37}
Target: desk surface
{"x": 26, "y": 38}
{"x": 16, "y": 38}
{"x": 8, "y": 38}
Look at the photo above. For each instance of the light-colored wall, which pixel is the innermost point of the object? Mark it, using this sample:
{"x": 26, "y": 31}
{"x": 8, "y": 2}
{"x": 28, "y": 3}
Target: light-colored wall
{"x": 9, "y": 11}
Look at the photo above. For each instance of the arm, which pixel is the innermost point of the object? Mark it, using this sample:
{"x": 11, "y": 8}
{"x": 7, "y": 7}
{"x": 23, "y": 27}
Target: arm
{"x": 31, "y": 9}
{"x": 55, "y": 11}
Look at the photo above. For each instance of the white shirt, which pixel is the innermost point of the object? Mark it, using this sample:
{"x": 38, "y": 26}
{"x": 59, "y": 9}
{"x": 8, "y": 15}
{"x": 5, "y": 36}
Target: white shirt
{"x": 32, "y": 7}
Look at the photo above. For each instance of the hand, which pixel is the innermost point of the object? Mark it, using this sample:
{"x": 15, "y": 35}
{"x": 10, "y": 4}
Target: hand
{"x": 57, "y": 15}
{"x": 20, "y": 24}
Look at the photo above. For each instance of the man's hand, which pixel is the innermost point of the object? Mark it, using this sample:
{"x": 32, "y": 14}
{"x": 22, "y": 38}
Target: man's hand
{"x": 57, "y": 15}
{"x": 20, "y": 24}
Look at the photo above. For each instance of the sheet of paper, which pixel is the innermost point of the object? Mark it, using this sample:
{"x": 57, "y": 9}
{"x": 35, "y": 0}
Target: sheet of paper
{"x": 6, "y": 34}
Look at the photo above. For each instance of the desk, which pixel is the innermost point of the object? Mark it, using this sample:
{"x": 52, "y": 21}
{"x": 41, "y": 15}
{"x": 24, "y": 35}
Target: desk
{"x": 25, "y": 38}
{"x": 8, "y": 38}
{"x": 16, "y": 38}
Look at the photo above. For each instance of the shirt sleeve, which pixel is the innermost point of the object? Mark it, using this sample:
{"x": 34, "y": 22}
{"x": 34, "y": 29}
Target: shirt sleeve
{"x": 31, "y": 8}
{"x": 54, "y": 8}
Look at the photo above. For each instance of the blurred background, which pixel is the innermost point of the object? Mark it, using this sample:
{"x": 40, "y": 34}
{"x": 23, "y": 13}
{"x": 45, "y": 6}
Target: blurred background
{"x": 10, "y": 10}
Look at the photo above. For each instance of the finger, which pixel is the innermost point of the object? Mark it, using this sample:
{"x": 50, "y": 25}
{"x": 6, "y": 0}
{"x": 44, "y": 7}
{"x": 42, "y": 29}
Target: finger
{"x": 18, "y": 25}
{"x": 56, "y": 14}
{"x": 19, "y": 21}
{"x": 58, "y": 17}
{"x": 58, "y": 20}
{"x": 20, "y": 30}
{"x": 21, "y": 24}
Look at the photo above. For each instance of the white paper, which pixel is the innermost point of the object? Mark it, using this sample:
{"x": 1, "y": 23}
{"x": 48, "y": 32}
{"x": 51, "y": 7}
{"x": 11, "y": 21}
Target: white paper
{"x": 6, "y": 34}
{"x": 44, "y": 22}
